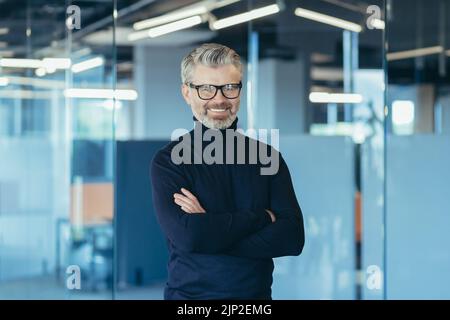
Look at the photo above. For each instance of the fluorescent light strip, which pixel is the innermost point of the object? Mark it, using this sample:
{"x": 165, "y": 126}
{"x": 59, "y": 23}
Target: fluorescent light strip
{"x": 88, "y": 64}
{"x": 447, "y": 52}
{"x": 324, "y": 97}
{"x": 56, "y": 63}
{"x": 170, "y": 17}
{"x": 244, "y": 17}
{"x": 138, "y": 35}
{"x": 330, "y": 20}
{"x": 4, "y": 31}
{"x": 101, "y": 94}
{"x": 402, "y": 112}
{"x": 167, "y": 28}
{"x": 46, "y": 63}
{"x": 391, "y": 56}
{"x": 20, "y": 63}
{"x": 39, "y": 83}
{"x": 25, "y": 94}
{"x": 40, "y": 72}
{"x": 175, "y": 26}
{"x": 199, "y": 8}
{"x": 4, "y": 81}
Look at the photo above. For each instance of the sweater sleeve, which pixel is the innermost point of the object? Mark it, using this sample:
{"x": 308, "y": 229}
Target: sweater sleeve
{"x": 284, "y": 237}
{"x": 210, "y": 232}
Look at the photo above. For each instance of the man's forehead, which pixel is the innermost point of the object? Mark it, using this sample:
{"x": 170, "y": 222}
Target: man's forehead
{"x": 220, "y": 74}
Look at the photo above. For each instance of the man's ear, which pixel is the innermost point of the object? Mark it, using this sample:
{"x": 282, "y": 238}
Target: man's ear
{"x": 186, "y": 94}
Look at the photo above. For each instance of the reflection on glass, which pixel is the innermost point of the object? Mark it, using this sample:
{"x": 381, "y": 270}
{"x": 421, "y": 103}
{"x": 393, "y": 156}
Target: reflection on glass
{"x": 417, "y": 150}
{"x": 56, "y": 172}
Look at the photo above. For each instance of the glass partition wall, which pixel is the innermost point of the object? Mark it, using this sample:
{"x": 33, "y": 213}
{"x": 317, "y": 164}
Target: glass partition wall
{"x": 417, "y": 150}
{"x": 57, "y": 71}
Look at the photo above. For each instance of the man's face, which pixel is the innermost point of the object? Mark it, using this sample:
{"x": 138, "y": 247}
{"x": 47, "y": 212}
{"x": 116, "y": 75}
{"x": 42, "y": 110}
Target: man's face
{"x": 219, "y": 112}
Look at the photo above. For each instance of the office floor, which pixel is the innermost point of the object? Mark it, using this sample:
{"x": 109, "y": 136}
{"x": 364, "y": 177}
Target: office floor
{"x": 48, "y": 288}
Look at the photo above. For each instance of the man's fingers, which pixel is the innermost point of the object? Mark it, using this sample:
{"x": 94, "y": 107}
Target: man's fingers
{"x": 185, "y": 204}
{"x": 184, "y": 199}
{"x": 188, "y": 194}
{"x": 185, "y": 209}
{"x": 272, "y": 215}
{"x": 189, "y": 201}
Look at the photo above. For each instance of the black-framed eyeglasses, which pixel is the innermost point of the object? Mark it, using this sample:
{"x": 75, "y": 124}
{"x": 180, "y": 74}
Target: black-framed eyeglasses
{"x": 209, "y": 91}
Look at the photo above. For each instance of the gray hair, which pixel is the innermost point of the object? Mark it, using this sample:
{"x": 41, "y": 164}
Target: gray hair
{"x": 211, "y": 55}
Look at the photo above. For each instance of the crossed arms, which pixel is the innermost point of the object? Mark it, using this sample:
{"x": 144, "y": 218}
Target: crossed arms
{"x": 266, "y": 233}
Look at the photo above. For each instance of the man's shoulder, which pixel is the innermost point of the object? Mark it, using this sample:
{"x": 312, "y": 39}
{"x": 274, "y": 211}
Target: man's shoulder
{"x": 163, "y": 157}
{"x": 163, "y": 154}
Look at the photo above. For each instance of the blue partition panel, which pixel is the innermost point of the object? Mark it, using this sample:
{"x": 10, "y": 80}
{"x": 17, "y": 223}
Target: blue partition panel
{"x": 141, "y": 247}
{"x": 418, "y": 217}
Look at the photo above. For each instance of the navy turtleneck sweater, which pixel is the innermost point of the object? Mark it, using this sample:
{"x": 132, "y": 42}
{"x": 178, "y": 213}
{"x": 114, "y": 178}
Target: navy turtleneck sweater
{"x": 225, "y": 253}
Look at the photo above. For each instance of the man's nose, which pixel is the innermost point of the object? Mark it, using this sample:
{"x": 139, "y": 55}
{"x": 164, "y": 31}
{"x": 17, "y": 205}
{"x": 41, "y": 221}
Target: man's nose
{"x": 220, "y": 97}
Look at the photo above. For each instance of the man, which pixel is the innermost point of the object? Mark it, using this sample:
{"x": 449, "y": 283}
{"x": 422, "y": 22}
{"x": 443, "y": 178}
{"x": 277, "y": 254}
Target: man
{"x": 223, "y": 222}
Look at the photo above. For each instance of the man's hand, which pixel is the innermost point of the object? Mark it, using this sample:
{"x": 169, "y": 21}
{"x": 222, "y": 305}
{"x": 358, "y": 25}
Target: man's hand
{"x": 188, "y": 202}
{"x": 272, "y": 215}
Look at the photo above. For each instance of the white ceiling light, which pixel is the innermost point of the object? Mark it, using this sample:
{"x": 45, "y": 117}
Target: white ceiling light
{"x": 199, "y": 8}
{"x": 47, "y": 63}
{"x": 4, "y": 31}
{"x": 82, "y": 52}
{"x": 166, "y": 28}
{"x": 39, "y": 83}
{"x": 330, "y": 20}
{"x": 20, "y": 63}
{"x": 50, "y": 70}
{"x": 402, "y": 112}
{"x": 40, "y": 72}
{"x": 3, "y": 44}
{"x": 88, "y": 64}
{"x": 145, "y": 24}
{"x": 391, "y": 56}
{"x": 56, "y": 63}
{"x": 244, "y": 17}
{"x": 175, "y": 26}
{"x": 101, "y": 94}
{"x": 25, "y": 94}
{"x": 4, "y": 82}
{"x": 327, "y": 73}
{"x": 324, "y": 97}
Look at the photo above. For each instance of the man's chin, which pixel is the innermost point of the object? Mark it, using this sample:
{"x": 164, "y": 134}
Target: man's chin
{"x": 218, "y": 118}
{"x": 217, "y": 123}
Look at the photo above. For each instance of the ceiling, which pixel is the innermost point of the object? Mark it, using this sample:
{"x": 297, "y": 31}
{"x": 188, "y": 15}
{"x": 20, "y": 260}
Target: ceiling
{"x": 282, "y": 36}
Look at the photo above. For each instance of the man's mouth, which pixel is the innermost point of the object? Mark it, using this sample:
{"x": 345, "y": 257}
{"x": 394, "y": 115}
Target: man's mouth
{"x": 218, "y": 109}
